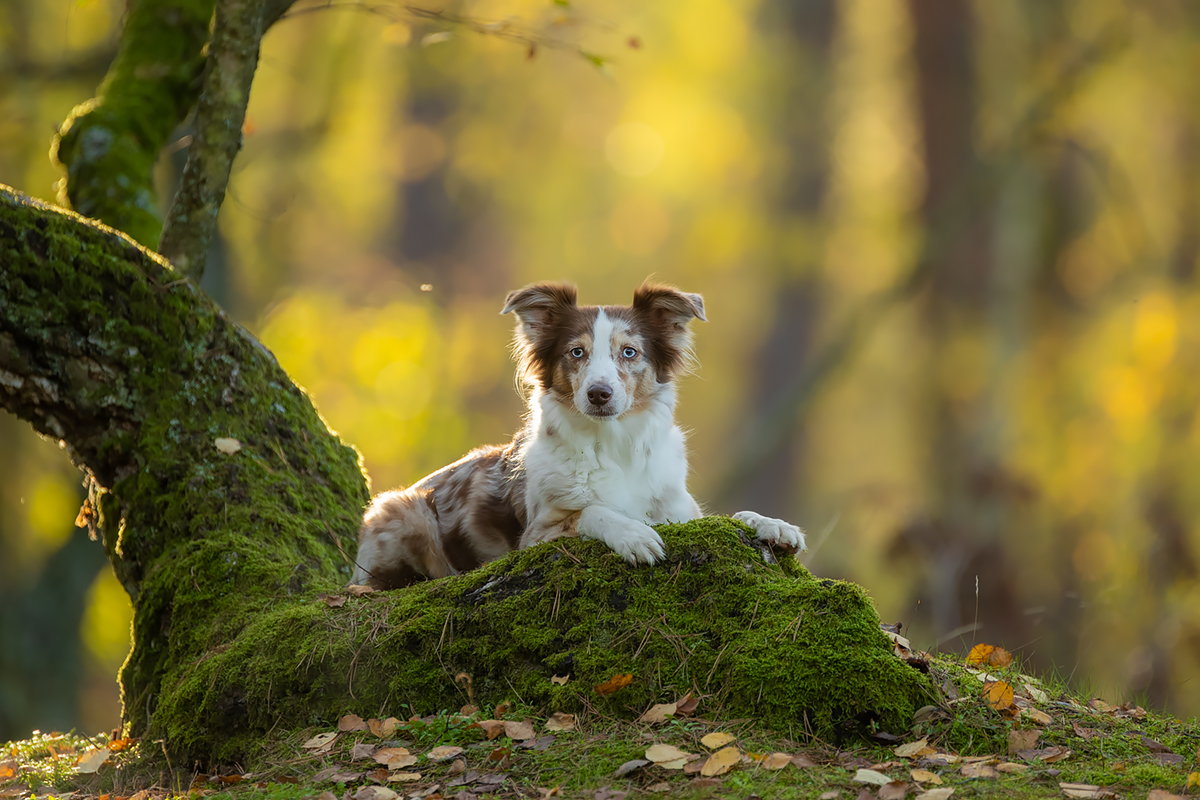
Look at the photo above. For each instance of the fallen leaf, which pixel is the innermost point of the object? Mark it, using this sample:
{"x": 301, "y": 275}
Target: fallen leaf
{"x": 936, "y": 794}
{"x": 687, "y": 706}
{"x": 776, "y": 761}
{"x": 374, "y": 793}
{"x": 1022, "y": 740}
{"x": 351, "y": 722}
{"x": 978, "y": 771}
{"x": 721, "y": 762}
{"x": 705, "y": 783}
{"x": 519, "y": 731}
{"x": 614, "y": 684}
{"x": 358, "y": 590}
{"x": 1036, "y": 694}
{"x": 333, "y": 600}
{"x": 989, "y": 655}
{"x": 404, "y": 777}
{"x": 1163, "y": 794}
{"x": 493, "y": 778}
{"x": 321, "y": 742}
{"x": 694, "y": 767}
{"x": 501, "y": 710}
{"x": 1038, "y": 716}
{"x": 117, "y": 745}
{"x": 1085, "y": 790}
{"x": 342, "y": 777}
{"x": 659, "y": 753}
{"x": 547, "y": 793}
{"x": 658, "y": 714}
{"x": 226, "y": 445}
{"x": 443, "y": 753}
{"x": 872, "y": 777}
{"x": 385, "y": 728}
{"x": 715, "y": 741}
{"x": 802, "y": 761}
{"x": 1052, "y": 754}
{"x": 457, "y": 767}
{"x": 999, "y": 695}
{"x": 361, "y": 751}
{"x": 560, "y": 721}
{"x": 603, "y": 794}
{"x": 1096, "y": 704}
{"x": 630, "y": 766}
{"x": 829, "y": 795}
{"x": 1009, "y": 766}
{"x": 924, "y": 776}
{"x": 944, "y": 758}
{"x": 8, "y": 769}
{"x": 385, "y": 755}
{"x": 1194, "y": 778}
{"x": 896, "y": 790}
{"x": 661, "y": 786}
{"x": 559, "y": 680}
{"x": 90, "y": 761}
{"x": 491, "y": 728}
{"x": 911, "y": 749}
{"x": 678, "y": 763}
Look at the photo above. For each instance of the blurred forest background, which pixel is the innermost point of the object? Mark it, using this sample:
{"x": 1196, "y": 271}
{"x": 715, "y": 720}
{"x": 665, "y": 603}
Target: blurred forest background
{"x": 948, "y": 250}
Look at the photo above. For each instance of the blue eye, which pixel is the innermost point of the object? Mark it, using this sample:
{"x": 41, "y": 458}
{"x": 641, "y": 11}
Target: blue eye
{"x": 577, "y": 352}
{"x": 629, "y": 352}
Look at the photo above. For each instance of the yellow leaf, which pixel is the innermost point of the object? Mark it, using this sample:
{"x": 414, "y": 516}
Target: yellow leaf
{"x": 1040, "y": 717}
{"x": 1193, "y": 781}
{"x": 999, "y": 695}
{"x": 662, "y": 753}
{"x": 227, "y": 446}
{"x": 912, "y": 749}
{"x": 559, "y": 680}
{"x": 776, "y": 761}
{"x": 614, "y": 684}
{"x": 924, "y": 776}
{"x": 404, "y": 777}
{"x": 979, "y": 654}
{"x": 721, "y": 762}
{"x": 90, "y": 761}
{"x": 322, "y": 741}
{"x": 444, "y": 753}
{"x": 713, "y": 741}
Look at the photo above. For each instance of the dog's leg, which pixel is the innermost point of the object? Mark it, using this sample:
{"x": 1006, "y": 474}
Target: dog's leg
{"x": 772, "y": 530}
{"x": 399, "y": 542}
{"x": 634, "y": 541}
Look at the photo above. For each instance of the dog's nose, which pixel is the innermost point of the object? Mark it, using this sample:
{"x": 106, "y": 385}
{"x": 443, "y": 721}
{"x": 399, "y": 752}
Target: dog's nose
{"x": 599, "y": 394}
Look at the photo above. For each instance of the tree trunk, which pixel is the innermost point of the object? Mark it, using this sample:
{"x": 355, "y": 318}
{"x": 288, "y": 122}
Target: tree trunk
{"x": 225, "y": 546}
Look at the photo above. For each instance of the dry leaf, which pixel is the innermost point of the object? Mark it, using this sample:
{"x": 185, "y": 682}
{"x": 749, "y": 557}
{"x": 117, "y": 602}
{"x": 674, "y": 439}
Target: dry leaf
{"x": 519, "y": 731}
{"x": 333, "y": 600}
{"x": 358, "y": 590}
{"x": 1053, "y": 754}
{"x": 1040, "y": 717}
{"x": 560, "y": 721}
{"x": 491, "y": 728}
{"x": 678, "y": 763}
{"x": 1163, "y": 794}
{"x": 924, "y": 776}
{"x": 936, "y": 794}
{"x": 1022, "y": 740}
{"x": 559, "y": 680}
{"x": 1194, "y": 778}
{"x": 1009, "y": 766}
{"x": 1085, "y": 790}
{"x": 374, "y": 793}
{"x": 687, "y": 705}
{"x": 547, "y": 793}
{"x": 658, "y": 714}
{"x": 978, "y": 771}
{"x": 322, "y": 742}
{"x": 776, "y": 761}
{"x": 663, "y": 753}
{"x": 630, "y": 766}
{"x": 661, "y": 786}
{"x": 872, "y": 777}
{"x": 802, "y": 761}
{"x": 1096, "y": 704}
{"x": 1082, "y": 732}
{"x": 715, "y": 741}
{"x": 227, "y": 446}
{"x": 614, "y": 684}
{"x": 350, "y": 723}
{"x": 896, "y": 790}
{"x": 8, "y": 769}
{"x": 829, "y": 795}
{"x": 443, "y": 753}
{"x": 721, "y": 762}
{"x": 999, "y": 695}
{"x": 404, "y": 777}
{"x": 361, "y": 751}
{"x": 90, "y": 761}
{"x": 912, "y": 749}
{"x": 385, "y": 755}
{"x": 694, "y": 767}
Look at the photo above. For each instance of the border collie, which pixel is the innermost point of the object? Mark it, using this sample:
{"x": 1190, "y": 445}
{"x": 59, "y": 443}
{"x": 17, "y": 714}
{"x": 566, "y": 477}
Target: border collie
{"x": 600, "y": 455}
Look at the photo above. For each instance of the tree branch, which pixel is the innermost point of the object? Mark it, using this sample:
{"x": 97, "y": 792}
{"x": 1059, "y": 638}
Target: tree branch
{"x": 109, "y": 144}
{"x": 220, "y": 113}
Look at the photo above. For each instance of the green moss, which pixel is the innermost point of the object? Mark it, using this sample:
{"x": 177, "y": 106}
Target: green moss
{"x": 799, "y": 654}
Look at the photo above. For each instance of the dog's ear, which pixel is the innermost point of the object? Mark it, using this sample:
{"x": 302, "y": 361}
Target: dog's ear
{"x": 669, "y": 305}
{"x": 536, "y": 302}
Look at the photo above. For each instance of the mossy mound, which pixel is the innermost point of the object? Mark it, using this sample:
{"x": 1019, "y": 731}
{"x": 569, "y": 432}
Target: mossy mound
{"x": 719, "y": 617}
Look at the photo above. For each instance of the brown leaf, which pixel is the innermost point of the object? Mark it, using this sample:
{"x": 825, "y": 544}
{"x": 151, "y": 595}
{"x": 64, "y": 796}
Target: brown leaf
{"x": 829, "y": 795}
{"x": 501, "y": 710}
{"x": 333, "y": 600}
{"x": 978, "y": 771}
{"x": 383, "y": 728}
{"x": 661, "y": 786}
{"x": 468, "y": 710}
{"x": 693, "y": 767}
{"x": 936, "y": 794}
{"x": 404, "y": 777}
{"x": 561, "y": 721}
{"x": 443, "y": 753}
{"x": 630, "y": 766}
{"x": 658, "y": 714}
{"x": 491, "y": 728}
{"x": 519, "y": 731}
{"x": 614, "y": 684}
{"x": 322, "y": 742}
{"x": 345, "y": 777}
{"x": 687, "y": 706}
{"x": 362, "y": 751}
{"x": 721, "y": 762}
{"x": 351, "y": 723}
{"x": 358, "y": 590}
{"x": 802, "y": 761}
{"x": 1010, "y": 767}
{"x": 1163, "y": 794}
{"x": 385, "y": 755}
{"x": 1022, "y": 740}
{"x": 924, "y": 776}
{"x": 374, "y": 793}
{"x": 896, "y": 790}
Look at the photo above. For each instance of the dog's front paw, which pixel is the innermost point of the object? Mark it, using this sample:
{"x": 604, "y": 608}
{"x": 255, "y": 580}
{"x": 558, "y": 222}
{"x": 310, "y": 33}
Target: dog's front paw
{"x": 775, "y": 531}
{"x": 636, "y": 543}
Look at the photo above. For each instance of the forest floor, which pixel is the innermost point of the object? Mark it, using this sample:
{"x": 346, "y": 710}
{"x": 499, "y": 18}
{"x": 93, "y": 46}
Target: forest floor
{"x": 992, "y": 732}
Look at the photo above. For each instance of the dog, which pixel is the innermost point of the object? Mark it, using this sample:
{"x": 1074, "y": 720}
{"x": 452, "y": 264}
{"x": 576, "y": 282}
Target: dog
{"x": 600, "y": 455}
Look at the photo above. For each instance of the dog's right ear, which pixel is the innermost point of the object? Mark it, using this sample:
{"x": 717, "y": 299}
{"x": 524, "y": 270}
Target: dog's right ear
{"x": 536, "y": 302}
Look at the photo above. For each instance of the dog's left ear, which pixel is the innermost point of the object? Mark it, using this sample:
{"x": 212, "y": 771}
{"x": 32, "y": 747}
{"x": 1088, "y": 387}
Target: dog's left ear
{"x": 669, "y": 304}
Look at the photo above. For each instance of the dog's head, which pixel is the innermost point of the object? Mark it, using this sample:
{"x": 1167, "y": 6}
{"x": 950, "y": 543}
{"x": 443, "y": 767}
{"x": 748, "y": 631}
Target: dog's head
{"x": 602, "y": 360}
